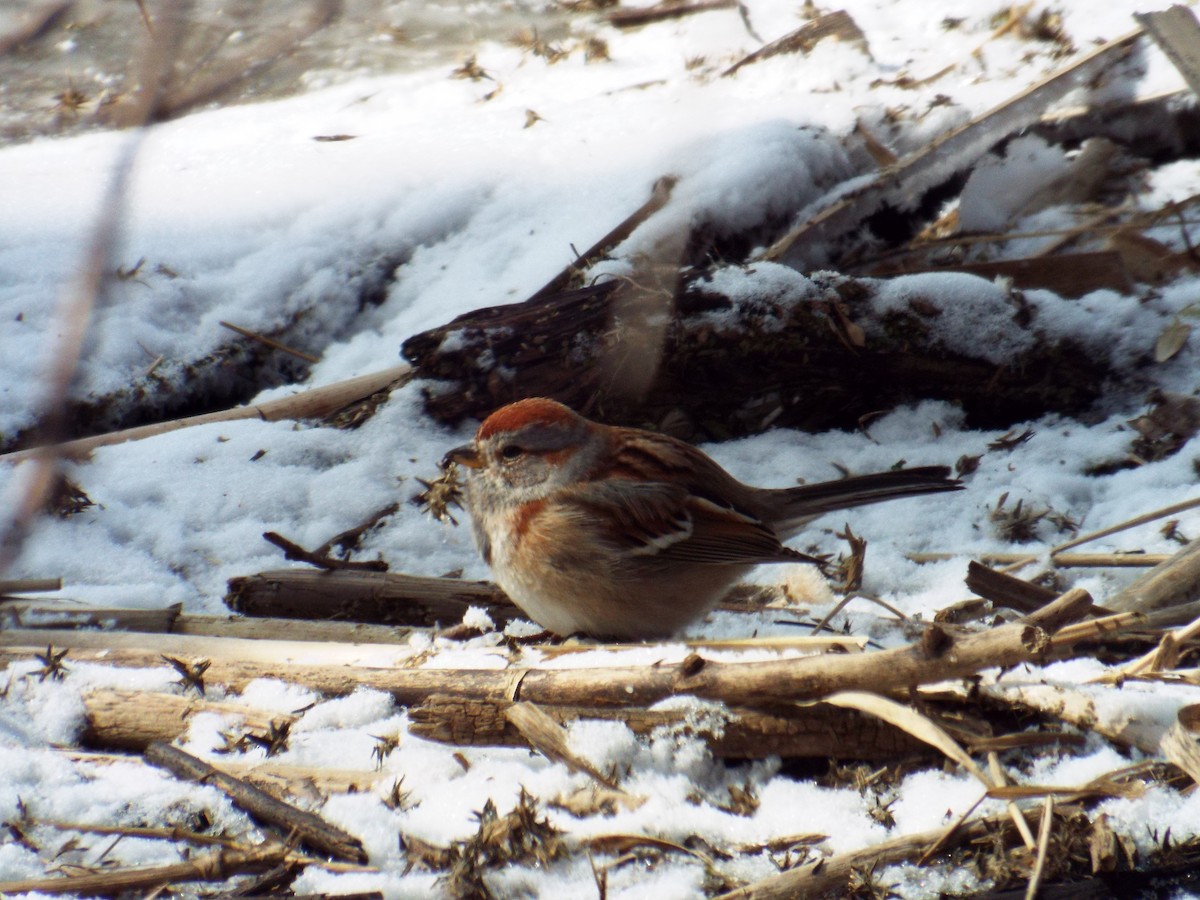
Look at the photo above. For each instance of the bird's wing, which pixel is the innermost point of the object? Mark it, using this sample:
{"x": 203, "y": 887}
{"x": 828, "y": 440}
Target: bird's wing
{"x": 665, "y": 521}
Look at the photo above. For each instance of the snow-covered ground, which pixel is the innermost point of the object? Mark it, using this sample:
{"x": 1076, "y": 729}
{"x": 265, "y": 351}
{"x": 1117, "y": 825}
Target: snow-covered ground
{"x": 238, "y": 214}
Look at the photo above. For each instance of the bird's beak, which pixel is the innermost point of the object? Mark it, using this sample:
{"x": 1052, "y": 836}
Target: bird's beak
{"x": 466, "y": 455}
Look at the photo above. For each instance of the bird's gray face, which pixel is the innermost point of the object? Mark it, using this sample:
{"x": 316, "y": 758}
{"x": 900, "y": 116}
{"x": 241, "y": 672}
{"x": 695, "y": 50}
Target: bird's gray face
{"x": 524, "y": 464}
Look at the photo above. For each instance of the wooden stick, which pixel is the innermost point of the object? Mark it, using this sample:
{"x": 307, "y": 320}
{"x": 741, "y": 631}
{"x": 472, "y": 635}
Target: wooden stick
{"x": 262, "y": 653}
{"x": 549, "y": 738}
{"x": 30, "y": 585}
{"x": 632, "y": 18}
{"x": 1003, "y": 589}
{"x": 1043, "y": 847}
{"x": 1000, "y": 779}
{"x": 382, "y": 597}
{"x": 315, "y": 403}
{"x": 1173, "y": 582}
{"x": 173, "y": 834}
{"x": 310, "y": 828}
{"x": 1059, "y": 613}
{"x": 270, "y": 342}
{"x": 294, "y": 551}
{"x": 214, "y": 866}
{"x": 1142, "y": 519}
{"x": 813, "y": 643}
{"x": 1058, "y": 560}
{"x": 1176, "y": 31}
{"x": 738, "y": 683}
{"x": 34, "y": 615}
{"x": 133, "y": 720}
{"x": 658, "y": 199}
{"x": 1164, "y": 656}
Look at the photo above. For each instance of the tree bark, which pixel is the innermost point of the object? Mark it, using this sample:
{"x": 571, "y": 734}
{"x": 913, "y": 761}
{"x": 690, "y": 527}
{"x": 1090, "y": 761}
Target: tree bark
{"x": 710, "y": 366}
{"x": 796, "y": 731}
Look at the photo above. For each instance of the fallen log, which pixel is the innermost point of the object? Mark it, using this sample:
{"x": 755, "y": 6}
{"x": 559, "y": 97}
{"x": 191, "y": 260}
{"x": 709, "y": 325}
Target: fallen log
{"x": 358, "y": 596}
{"x": 383, "y": 599}
{"x": 794, "y": 732}
{"x": 132, "y": 720}
{"x": 739, "y": 350}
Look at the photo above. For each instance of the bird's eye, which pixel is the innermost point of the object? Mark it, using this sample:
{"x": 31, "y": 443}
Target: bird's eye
{"x": 511, "y": 451}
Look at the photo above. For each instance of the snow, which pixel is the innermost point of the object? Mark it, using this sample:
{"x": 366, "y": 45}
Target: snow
{"x": 239, "y": 215}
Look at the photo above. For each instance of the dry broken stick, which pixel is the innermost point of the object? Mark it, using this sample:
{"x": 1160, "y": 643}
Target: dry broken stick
{"x": 671, "y": 9}
{"x": 133, "y": 720}
{"x": 314, "y": 403}
{"x": 299, "y": 554}
{"x": 1172, "y": 583}
{"x": 386, "y": 598}
{"x": 836, "y": 24}
{"x": 659, "y": 196}
{"x": 736, "y": 683}
{"x": 28, "y": 586}
{"x": 29, "y": 614}
{"x": 216, "y": 865}
{"x": 311, "y": 829}
{"x": 832, "y": 876}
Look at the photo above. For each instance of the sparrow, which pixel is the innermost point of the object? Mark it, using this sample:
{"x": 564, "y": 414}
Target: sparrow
{"x": 623, "y": 533}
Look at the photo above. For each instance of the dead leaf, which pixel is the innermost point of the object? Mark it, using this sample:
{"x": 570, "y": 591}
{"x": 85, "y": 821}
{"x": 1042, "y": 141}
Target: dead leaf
{"x": 1171, "y": 341}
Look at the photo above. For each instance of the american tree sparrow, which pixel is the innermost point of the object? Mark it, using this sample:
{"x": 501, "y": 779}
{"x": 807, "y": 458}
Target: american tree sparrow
{"x": 624, "y": 533}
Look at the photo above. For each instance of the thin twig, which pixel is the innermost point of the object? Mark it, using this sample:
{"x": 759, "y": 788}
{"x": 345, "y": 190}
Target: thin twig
{"x": 1000, "y": 777}
{"x": 1129, "y": 560}
{"x": 299, "y": 554}
{"x": 270, "y": 342}
{"x": 841, "y": 604}
{"x": 1043, "y": 846}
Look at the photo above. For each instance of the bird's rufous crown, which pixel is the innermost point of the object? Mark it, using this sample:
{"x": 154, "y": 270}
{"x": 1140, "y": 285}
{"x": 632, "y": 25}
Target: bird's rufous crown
{"x": 515, "y": 416}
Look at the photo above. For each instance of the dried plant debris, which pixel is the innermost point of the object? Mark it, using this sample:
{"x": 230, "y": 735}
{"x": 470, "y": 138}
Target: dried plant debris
{"x": 348, "y": 542}
{"x": 191, "y": 673}
{"x": 1021, "y": 523}
{"x": 67, "y": 499}
{"x": 53, "y": 666}
{"x": 471, "y": 70}
{"x": 440, "y": 494}
{"x": 1011, "y": 439}
{"x": 850, "y": 566}
{"x": 1171, "y": 422}
{"x": 522, "y": 837}
{"x": 275, "y": 739}
{"x": 384, "y": 745}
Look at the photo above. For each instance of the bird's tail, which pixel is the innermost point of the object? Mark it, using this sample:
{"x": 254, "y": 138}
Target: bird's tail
{"x": 800, "y": 504}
